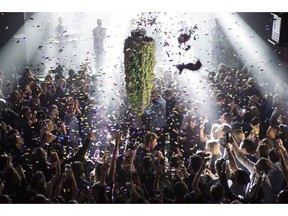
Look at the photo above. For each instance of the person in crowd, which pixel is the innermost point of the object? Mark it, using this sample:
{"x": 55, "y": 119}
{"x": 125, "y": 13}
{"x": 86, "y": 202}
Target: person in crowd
{"x": 58, "y": 144}
{"x": 147, "y": 149}
{"x": 99, "y": 37}
{"x": 192, "y": 138}
{"x": 214, "y": 149}
{"x": 279, "y": 113}
{"x": 174, "y": 122}
{"x": 157, "y": 117}
{"x": 257, "y": 169}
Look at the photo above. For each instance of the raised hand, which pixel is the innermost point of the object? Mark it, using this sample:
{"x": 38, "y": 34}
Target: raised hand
{"x": 224, "y": 167}
{"x": 160, "y": 155}
{"x": 91, "y": 136}
{"x": 54, "y": 155}
{"x": 20, "y": 171}
{"x": 279, "y": 143}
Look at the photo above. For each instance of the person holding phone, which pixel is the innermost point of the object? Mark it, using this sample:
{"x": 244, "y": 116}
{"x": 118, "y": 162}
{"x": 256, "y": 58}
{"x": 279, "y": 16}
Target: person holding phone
{"x": 147, "y": 149}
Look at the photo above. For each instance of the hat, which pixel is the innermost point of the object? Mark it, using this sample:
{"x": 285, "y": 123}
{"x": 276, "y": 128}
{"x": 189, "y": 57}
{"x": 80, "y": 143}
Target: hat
{"x": 226, "y": 115}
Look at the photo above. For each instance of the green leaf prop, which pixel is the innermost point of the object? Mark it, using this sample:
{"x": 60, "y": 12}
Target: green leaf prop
{"x": 139, "y": 62}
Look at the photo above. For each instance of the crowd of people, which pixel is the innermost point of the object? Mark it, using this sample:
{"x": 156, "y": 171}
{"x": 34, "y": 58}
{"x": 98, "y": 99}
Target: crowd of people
{"x": 57, "y": 145}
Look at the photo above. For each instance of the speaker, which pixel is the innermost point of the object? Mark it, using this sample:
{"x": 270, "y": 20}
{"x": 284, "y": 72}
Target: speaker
{"x": 279, "y": 34}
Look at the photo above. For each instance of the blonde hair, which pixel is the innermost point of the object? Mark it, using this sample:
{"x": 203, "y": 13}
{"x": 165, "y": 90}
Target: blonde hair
{"x": 213, "y": 147}
{"x": 214, "y": 129}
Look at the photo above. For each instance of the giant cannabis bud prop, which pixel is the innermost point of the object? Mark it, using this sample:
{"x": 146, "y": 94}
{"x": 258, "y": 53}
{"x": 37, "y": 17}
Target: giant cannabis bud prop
{"x": 139, "y": 62}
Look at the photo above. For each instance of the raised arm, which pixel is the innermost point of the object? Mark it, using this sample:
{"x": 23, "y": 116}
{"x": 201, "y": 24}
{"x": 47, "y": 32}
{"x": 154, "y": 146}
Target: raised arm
{"x": 132, "y": 162}
{"x": 58, "y": 188}
{"x": 102, "y": 190}
{"x": 254, "y": 198}
{"x": 255, "y": 133}
{"x": 79, "y": 156}
{"x": 284, "y": 166}
{"x": 134, "y": 191}
{"x": 232, "y": 162}
{"x": 201, "y": 133}
{"x": 51, "y": 184}
{"x": 195, "y": 183}
{"x": 241, "y": 157}
{"x": 104, "y": 169}
{"x": 112, "y": 171}
{"x": 279, "y": 144}
{"x": 223, "y": 180}
{"x": 158, "y": 175}
{"x": 63, "y": 178}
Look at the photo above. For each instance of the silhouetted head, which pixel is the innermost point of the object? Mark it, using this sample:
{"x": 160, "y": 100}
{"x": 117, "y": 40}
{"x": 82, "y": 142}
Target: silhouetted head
{"x": 99, "y": 22}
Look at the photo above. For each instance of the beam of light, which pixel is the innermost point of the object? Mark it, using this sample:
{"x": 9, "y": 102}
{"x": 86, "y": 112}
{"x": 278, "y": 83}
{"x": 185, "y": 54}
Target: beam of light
{"x": 37, "y": 32}
{"x": 27, "y": 46}
{"x": 13, "y": 52}
{"x": 250, "y": 48}
{"x": 79, "y": 50}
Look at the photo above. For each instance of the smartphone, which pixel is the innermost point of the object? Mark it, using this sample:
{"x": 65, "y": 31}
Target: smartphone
{"x": 173, "y": 172}
{"x": 207, "y": 161}
{"x": 157, "y": 194}
{"x": 61, "y": 137}
{"x": 127, "y": 184}
{"x": 227, "y": 137}
{"x": 67, "y": 168}
{"x": 108, "y": 189}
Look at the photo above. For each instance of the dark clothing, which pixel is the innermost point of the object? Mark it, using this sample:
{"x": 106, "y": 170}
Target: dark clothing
{"x": 251, "y": 91}
{"x": 147, "y": 180}
{"x": 246, "y": 128}
{"x": 46, "y": 100}
{"x": 204, "y": 180}
{"x": 252, "y": 158}
{"x": 170, "y": 104}
{"x": 277, "y": 111}
{"x": 174, "y": 122}
{"x": 80, "y": 155}
{"x": 228, "y": 193}
{"x": 276, "y": 179}
{"x": 60, "y": 93}
{"x": 9, "y": 117}
{"x": 213, "y": 160}
{"x": 191, "y": 141}
{"x": 220, "y": 109}
{"x": 140, "y": 154}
